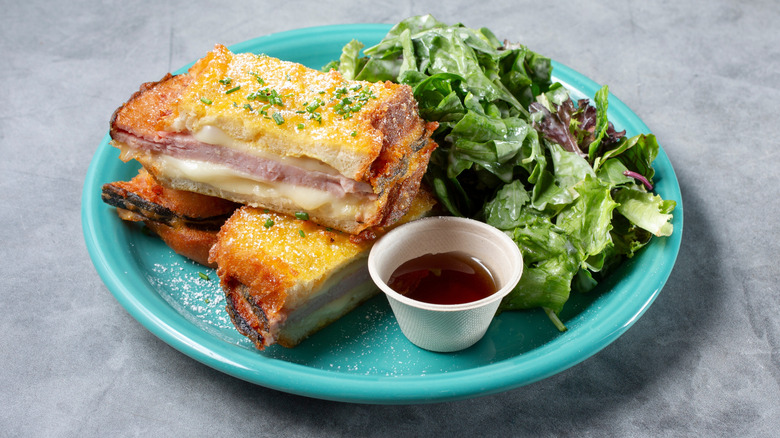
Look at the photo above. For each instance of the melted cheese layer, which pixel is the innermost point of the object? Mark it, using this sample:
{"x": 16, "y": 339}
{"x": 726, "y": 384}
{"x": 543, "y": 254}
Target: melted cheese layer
{"x": 215, "y": 136}
{"x": 228, "y": 180}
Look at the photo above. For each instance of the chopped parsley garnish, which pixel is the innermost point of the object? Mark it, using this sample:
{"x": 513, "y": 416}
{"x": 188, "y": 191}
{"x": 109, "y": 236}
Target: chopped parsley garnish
{"x": 233, "y": 90}
{"x": 301, "y": 233}
{"x": 225, "y": 81}
{"x": 302, "y": 215}
{"x": 206, "y": 100}
{"x": 300, "y": 126}
{"x": 203, "y": 276}
{"x": 278, "y": 118}
{"x": 268, "y": 223}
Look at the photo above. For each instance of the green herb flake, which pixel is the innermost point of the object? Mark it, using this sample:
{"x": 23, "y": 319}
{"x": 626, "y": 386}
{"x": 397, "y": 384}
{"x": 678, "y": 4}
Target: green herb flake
{"x": 300, "y": 126}
{"x": 301, "y": 233}
{"x": 206, "y": 100}
{"x": 203, "y": 276}
{"x": 348, "y": 104}
{"x": 267, "y": 95}
{"x": 354, "y": 133}
{"x": 225, "y": 81}
{"x": 233, "y": 90}
{"x": 268, "y": 223}
{"x": 302, "y": 215}
{"x": 278, "y": 118}
{"x": 311, "y": 107}
{"x": 316, "y": 116}
{"x": 340, "y": 92}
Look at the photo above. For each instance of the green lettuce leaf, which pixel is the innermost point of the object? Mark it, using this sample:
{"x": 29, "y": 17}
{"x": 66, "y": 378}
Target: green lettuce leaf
{"x": 646, "y": 210}
{"x": 350, "y": 61}
{"x": 588, "y": 219}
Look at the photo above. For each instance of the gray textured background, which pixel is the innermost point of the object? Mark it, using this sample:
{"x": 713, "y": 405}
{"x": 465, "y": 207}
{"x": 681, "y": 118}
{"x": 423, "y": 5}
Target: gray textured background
{"x": 703, "y": 361}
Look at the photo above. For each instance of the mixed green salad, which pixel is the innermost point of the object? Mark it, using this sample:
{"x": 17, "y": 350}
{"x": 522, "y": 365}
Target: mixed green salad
{"x": 517, "y": 152}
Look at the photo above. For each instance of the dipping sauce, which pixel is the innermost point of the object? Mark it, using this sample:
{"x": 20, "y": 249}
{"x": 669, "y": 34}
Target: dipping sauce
{"x": 444, "y": 278}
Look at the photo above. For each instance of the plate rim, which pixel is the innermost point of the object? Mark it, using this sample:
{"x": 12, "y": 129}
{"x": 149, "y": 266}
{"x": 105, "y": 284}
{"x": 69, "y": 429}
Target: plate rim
{"x": 300, "y": 379}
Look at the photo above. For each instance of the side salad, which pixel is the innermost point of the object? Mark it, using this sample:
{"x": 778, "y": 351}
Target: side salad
{"x": 517, "y": 152}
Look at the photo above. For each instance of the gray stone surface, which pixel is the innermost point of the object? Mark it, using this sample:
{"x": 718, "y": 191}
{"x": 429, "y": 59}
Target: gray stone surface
{"x": 703, "y": 361}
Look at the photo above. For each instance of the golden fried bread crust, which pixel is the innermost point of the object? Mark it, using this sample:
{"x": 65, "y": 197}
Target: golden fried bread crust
{"x": 148, "y": 109}
{"x": 188, "y": 242}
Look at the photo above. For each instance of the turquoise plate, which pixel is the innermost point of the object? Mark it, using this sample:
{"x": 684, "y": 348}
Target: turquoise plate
{"x": 364, "y": 357}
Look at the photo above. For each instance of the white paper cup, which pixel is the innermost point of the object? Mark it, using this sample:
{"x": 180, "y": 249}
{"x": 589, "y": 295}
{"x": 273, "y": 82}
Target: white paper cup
{"x": 445, "y": 327}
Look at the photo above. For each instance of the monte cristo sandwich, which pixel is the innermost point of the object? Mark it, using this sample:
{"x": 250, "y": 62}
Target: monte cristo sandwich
{"x": 274, "y": 134}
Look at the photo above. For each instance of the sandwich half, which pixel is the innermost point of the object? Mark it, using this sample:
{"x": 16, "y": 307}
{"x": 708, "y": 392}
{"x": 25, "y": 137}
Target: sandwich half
{"x": 285, "y": 278}
{"x": 274, "y": 134}
{"x": 187, "y": 222}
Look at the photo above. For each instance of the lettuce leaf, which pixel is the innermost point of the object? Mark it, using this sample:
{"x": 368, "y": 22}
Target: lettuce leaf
{"x": 646, "y": 210}
{"x": 350, "y": 62}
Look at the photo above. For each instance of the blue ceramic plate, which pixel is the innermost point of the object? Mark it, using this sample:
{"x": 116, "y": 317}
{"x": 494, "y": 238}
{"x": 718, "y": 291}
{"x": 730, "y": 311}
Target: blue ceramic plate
{"x": 364, "y": 357}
